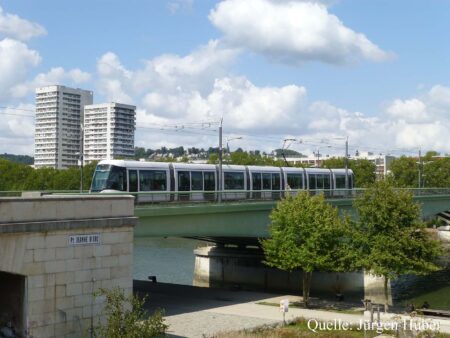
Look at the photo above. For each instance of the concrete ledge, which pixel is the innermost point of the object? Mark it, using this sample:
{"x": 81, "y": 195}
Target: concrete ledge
{"x": 67, "y": 207}
{"x": 67, "y": 225}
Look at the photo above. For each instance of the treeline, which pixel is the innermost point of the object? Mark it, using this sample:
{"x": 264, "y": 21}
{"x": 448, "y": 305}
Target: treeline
{"x": 434, "y": 172}
{"x": 20, "y": 177}
{"x": 23, "y": 159}
{"x": 201, "y": 153}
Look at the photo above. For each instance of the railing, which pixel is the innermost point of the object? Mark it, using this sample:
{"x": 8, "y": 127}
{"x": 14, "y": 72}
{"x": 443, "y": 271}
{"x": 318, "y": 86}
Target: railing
{"x": 182, "y": 197}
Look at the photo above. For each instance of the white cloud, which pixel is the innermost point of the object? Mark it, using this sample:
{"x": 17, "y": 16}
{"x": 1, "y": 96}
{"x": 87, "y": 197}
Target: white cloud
{"x": 167, "y": 73}
{"x": 252, "y": 108}
{"x": 15, "y": 61}
{"x": 292, "y": 32}
{"x": 54, "y": 76}
{"x": 412, "y": 110}
{"x": 15, "y": 27}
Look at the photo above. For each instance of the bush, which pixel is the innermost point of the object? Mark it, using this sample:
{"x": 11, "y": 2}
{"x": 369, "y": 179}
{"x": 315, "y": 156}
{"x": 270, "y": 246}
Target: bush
{"x": 127, "y": 318}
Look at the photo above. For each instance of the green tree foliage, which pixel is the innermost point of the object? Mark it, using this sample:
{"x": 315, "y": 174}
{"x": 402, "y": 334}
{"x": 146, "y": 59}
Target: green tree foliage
{"x": 364, "y": 170}
{"x": 405, "y": 172}
{"x": 13, "y": 175}
{"x": 307, "y": 233}
{"x": 390, "y": 237}
{"x": 437, "y": 173}
{"x": 127, "y": 318}
{"x": 19, "y": 177}
{"x": 245, "y": 158}
{"x": 22, "y": 159}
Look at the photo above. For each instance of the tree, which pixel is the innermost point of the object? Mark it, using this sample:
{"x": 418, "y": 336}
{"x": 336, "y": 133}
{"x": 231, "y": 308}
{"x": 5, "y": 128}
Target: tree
{"x": 364, "y": 170}
{"x": 405, "y": 172}
{"x": 390, "y": 237}
{"x": 307, "y": 233}
{"x": 126, "y": 317}
{"x": 437, "y": 173}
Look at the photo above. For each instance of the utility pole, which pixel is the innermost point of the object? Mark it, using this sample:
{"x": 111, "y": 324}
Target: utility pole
{"x": 220, "y": 162}
{"x": 420, "y": 168}
{"x": 346, "y": 164}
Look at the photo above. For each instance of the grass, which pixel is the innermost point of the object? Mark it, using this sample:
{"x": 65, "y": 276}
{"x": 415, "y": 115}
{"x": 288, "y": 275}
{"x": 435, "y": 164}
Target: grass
{"x": 299, "y": 329}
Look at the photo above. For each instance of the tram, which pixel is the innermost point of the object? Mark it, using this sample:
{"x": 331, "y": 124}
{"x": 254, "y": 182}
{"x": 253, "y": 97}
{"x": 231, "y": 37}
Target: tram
{"x": 196, "y": 182}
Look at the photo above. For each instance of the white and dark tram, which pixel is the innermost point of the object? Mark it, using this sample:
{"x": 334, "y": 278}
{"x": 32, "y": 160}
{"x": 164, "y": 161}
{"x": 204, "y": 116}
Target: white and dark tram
{"x": 182, "y": 181}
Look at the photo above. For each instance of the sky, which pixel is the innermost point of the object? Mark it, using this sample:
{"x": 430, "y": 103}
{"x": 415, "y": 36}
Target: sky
{"x": 374, "y": 71}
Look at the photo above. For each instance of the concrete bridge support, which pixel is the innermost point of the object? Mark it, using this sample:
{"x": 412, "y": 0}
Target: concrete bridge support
{"x": 243, "y": 268}
{"x": 54, "y": 253}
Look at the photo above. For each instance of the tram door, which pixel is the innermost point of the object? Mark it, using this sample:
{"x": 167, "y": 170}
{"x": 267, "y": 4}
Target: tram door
{"x": 132, "y": 180}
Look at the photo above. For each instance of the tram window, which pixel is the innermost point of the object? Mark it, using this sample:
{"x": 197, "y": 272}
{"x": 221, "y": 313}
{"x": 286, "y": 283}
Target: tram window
{"x": 295, "y": 181}
{"x": 350, "y": 181}
{"x": 133, "y": 180}
{"x": 117, "y": 179}
{"x": 340, "y": 181}
{"x": 267, "y": 184}
{"x": 326, "y": 182}
{"x": 152, "y": 180}
{"x": 312, "y": 182}
{"x": 256, "y": 181}
{"x": 209, "y": 181}
{"x": 319, "y": 181}
{"x": 196, "y": 180}
{"x": 184, "y": 181}
{"x": 276, "y": 182}
{"x": 233, "y": 180}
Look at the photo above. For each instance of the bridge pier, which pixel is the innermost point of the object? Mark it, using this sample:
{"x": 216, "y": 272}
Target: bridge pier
{"x": 232, "y": 267}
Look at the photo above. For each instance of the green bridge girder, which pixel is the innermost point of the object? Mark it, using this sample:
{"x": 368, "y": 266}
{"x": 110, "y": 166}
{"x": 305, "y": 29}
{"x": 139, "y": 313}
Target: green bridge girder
{"x": 246, "y": 219}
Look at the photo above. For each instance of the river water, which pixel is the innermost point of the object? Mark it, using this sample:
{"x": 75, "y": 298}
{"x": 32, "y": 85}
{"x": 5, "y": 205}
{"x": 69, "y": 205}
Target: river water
{"x": 170, "y": 259}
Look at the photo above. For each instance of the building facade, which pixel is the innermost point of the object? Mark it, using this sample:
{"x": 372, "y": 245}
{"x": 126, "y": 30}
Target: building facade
{"x": 109, "y": 131}
{"x": 59, "y": 114}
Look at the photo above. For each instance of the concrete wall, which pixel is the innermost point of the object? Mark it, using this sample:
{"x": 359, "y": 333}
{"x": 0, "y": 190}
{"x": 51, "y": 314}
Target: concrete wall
{"x": 60, "y": 277}
{"x": 243, "y": 268}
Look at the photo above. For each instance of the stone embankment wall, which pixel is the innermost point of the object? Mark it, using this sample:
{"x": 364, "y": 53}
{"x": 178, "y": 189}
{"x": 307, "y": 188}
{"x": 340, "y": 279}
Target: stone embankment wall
{"x": 64, "y": 249}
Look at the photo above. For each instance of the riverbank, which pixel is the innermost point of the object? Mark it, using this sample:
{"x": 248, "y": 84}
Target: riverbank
{"x": 203, "y": 312}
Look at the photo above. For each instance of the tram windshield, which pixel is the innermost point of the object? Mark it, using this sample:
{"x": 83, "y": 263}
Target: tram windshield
{"x": 109, "y": 177}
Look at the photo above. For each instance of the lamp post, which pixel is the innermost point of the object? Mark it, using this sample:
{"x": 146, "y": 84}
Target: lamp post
{"x": 318, "y": 155}
{"x": 232, "y": 139}
{"x": 220, "y": 162}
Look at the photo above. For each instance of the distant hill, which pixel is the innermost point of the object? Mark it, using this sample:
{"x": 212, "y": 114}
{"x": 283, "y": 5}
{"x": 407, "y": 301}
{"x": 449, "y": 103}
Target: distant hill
{"x": 288, "y": 152}
{"x": 22, "y": 159}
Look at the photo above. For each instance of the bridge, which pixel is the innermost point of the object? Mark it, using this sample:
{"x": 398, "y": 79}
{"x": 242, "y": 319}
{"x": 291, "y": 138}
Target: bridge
{"x": 200, "y": 215}
{"x": 247, "y": 218}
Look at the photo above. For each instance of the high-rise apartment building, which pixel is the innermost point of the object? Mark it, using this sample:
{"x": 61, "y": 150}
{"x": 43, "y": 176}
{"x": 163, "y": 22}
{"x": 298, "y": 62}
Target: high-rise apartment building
{"x": 59, "y": 114}
{"x": 109, "y": 131}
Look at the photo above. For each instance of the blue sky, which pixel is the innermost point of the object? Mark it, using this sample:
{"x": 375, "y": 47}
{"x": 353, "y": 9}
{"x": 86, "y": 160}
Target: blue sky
{"x": 375, "y": 70}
